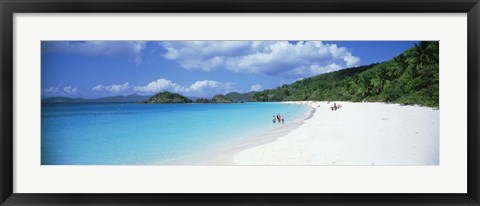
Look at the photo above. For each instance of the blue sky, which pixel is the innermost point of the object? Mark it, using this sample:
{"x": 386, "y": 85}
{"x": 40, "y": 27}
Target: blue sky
{"x": 92, "y": 69}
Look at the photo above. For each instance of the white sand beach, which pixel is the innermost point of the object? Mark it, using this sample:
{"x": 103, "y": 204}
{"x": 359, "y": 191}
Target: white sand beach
{"x": 356, "y": 134}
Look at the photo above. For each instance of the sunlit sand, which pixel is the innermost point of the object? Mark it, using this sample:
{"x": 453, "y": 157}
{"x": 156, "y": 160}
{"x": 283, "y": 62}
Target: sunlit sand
{"x": 356, "y": 134}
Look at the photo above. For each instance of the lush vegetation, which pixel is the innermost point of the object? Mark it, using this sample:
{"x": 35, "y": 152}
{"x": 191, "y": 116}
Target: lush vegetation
{"x": 168, "y": 97}
{"x": 202, "y": 100}
{"x": 410, "y": 78}
{"x": 237, "y": 97}
{"x": 219, "y": 98}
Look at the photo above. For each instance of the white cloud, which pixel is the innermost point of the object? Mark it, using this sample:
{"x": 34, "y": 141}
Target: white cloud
{"x": 98, "y": 48}
{"x": 276, "y": 58}
{"x": 112, "y": 89}
{"x": 207, "y": 88}
{"x": 200, "y": 88}
{"x": 199, "y": 85}
{"x": 206, "y": 49}
{"x": 256, "y": 87}
{"x": 70, "y": 90}
{"x": 59, "y": 91}
{"x": 158, "y": 86}
{"x": 51, "y": 90}
{"x": 342, "y": 53}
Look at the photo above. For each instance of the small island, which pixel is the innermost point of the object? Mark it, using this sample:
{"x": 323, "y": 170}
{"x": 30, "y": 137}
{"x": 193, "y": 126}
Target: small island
{"x": 233, "y": 97}
{"x": 202, "y": 100}
{"x": 220, "y": 98}
{"x": 167, "y": 98}
{"x": 241, "y": 97}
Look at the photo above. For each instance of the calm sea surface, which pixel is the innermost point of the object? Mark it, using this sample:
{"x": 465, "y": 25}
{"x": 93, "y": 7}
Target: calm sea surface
{"x": 124, "y": 134}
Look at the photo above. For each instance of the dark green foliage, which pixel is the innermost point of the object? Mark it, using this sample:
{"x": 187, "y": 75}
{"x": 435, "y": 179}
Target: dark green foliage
{"x": 202, "y": 100}
{"x": 237, "y": 97}
{"x": 168, "y": 97}
{"x": 410, "y": 78}
{"x": 219, "y": 98}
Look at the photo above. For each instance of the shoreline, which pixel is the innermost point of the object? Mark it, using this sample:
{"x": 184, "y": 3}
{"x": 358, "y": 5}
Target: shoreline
{"x": 357, "y": 134}
{"x": 363, "y": 133}
{"x": 223, "y": 154}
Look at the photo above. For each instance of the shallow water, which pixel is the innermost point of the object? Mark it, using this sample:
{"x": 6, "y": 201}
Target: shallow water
{"x": 124, "y": 134}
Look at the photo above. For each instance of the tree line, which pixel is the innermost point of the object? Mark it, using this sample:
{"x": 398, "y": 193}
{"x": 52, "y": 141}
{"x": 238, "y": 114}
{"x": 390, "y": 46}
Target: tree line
{"x": 410, "y": 78}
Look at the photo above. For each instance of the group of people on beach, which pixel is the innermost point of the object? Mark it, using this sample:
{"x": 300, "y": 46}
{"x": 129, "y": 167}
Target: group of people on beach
{"x": 278, "y": 118}
{"x": 335, "y": 106}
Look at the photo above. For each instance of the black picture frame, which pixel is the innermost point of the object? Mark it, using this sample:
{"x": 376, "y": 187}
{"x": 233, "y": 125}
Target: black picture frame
{"x": 10, "y": 7}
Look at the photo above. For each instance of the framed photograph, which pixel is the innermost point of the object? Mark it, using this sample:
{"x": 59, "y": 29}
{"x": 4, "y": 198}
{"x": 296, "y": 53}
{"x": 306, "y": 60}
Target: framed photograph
{"x": 257, "y": 103}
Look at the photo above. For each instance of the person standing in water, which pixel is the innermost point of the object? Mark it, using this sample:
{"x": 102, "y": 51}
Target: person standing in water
{"x": 283, "y": 120}
{"x": 274, "y": 119}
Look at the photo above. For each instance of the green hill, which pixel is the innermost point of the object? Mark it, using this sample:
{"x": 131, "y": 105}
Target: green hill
{"x": 240, "y": 97}
{"x": 410, "y": 78}
{"x": 219, "y": 98}
{"x": 167, "y": 97}
{"x": 202, "y": 100}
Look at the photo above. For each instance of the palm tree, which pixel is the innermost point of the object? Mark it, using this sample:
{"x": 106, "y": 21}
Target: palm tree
{"x": 364, "y": 85}
{"x": 425, "y": 53}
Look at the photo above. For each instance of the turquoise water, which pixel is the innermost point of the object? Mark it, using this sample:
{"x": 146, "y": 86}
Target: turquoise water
{"x": 125, "y": 134}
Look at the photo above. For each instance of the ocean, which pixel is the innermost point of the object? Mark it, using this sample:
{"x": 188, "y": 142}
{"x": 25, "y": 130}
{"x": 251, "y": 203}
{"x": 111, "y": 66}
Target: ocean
{"x": 145, "y": 134}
